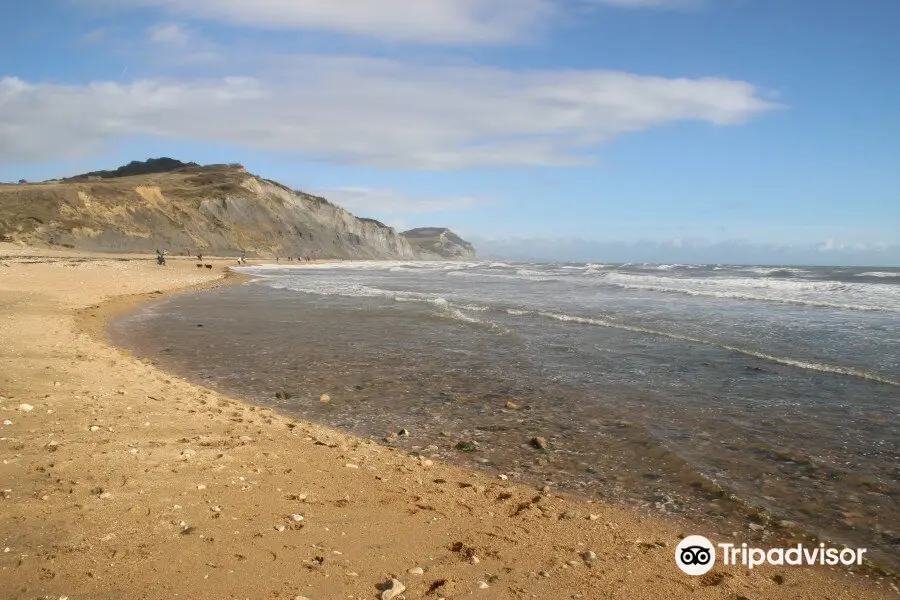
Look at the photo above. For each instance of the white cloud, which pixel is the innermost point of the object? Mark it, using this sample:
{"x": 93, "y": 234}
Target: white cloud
{"x": 428, "y": 21}
{"x": 420, "y": 21}
{"x": 172, "y": 34}
{"x": 363, "y": 200}
{"x": 370, "y": 112}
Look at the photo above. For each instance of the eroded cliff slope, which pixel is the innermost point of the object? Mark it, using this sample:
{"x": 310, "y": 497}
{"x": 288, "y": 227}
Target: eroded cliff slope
{"x": 219, "y": 209}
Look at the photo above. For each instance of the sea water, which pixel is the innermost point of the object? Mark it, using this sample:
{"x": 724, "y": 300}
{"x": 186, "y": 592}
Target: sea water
{"x": 713, "y": 392}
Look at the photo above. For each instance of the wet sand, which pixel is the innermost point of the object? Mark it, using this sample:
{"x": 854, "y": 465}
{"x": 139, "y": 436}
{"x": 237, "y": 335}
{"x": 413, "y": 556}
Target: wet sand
{"x": 123, "y": 481}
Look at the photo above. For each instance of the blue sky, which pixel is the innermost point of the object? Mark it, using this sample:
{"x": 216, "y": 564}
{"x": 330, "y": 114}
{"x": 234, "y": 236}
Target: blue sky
{"x": 769, "y": 128}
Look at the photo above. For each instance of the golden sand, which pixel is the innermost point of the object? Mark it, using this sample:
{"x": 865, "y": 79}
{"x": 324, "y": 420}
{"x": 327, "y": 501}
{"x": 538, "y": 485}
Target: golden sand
{"x": 125, "y": 482}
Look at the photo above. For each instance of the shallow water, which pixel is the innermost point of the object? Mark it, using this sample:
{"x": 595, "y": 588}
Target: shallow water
{"x": 667, "y": 386}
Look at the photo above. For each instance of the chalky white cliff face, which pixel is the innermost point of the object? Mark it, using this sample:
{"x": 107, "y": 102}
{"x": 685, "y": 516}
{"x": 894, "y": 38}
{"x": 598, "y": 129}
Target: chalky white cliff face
{"x": 441, "y": 242}
{"x": 213, "y": 210}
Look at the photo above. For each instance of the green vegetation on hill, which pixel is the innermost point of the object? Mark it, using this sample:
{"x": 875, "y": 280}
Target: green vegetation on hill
{"x": 137, "y": 167}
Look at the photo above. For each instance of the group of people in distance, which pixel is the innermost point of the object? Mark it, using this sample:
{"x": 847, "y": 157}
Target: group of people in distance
{"x": 242, "y": 259}
{"x": 161, "y": 257}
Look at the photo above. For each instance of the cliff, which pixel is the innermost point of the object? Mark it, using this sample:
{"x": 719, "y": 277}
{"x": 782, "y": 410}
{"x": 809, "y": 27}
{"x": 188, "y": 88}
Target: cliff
{"x": 439, "y": 241}
{"x": 218, "y": 209}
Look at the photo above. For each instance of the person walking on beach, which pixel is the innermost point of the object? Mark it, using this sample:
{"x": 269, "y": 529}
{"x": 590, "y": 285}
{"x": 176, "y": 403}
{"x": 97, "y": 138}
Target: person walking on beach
{"x": 160, "y": 257}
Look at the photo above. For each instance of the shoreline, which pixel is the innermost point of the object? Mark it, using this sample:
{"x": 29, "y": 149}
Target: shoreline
{"x": 237, "y": 472}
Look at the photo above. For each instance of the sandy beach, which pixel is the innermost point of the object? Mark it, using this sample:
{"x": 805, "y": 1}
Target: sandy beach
{"x": 122, "y": 481}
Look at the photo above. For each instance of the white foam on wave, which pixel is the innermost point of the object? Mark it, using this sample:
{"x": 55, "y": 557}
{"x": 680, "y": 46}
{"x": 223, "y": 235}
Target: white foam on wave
{"x": 521, "y": 275}
{"x": 826, "y": 294}
{"x": 882, "y": 274}
{"x": 772, "y": 270}
{"x": 802, "y": 364}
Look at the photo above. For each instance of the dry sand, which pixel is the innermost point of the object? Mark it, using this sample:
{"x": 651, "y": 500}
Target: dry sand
{"x": 125, "y": 482}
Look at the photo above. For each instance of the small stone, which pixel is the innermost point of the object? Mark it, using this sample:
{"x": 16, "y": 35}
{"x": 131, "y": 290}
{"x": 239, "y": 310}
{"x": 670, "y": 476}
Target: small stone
{"x": 300, "y": 598}
{"x": 201, "y": 486}
{"x": 7, "y": 422}
{"x": 572, "y": 563}
{"x": 133, "y": 451}
{"x": 593, "y": 517}
{"x": 351, "y": 466}
{"x": 403, "y": 433}
{"x": 511, "y": 405}
{"x": 390, "y": 438}
{"x": 785, "y": 524}
{"x": 502, "y": 477}
{"x": 544, "y": 574}
{"x": 483, "y": 585}
{"x": 427, "y": 462}
{"x": 755, "y": 527}
{"x": 26, "y": 407}
{"x": 545, "y": 489}
{"x": 280, "y": 527}
{"x": 474, "y": 559}
{"x": 589, "y": 556}
{"x": 539, "y": 443}
{"x": 105, "y": 496}
{"x": 393, "y": 589}
{"x": 53, "y": 446}
{"x": 95, "y": 428}
{"x": 245, "y": 438}
{"x": 216, "y": 509}
{"x": 121, "y": 392}
{"x": 296, "y": 518}
{"x": 417, "y": 571}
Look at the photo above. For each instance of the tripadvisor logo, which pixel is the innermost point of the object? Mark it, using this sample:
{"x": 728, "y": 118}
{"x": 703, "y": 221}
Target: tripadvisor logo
{"x": 696, "y": 555}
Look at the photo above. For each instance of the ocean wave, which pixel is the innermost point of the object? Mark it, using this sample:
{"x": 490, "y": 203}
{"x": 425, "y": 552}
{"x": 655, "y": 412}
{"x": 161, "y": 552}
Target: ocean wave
{"x": 765, "y": 271}
{"x": 881, "y": 274}
{"x": 792, "y": 362}
{"x": 528, "y": 276}
{"x": 825, "y": 294}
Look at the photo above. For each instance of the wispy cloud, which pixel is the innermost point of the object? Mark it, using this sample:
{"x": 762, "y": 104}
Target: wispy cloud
{"x": 445, "y": 22}
{"x": 171, "y": 34}
{"x": 371, "y": 112}
{"x": 423, "y": 21}
{"x": 367, "y": 201}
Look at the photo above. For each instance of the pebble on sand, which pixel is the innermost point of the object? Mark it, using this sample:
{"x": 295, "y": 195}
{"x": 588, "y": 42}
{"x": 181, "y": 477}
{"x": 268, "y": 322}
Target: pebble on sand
{"x": 95, "y": 428}
{"x": 392, "y": 589}
{"x": 482, "y": 585}
{"x": 26, "y": 407}
{"x": 325, "y": 398}
{"x": 539, "y": 442}
{"x": 296, "y": 518}
{"x": 417, "y": 571}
